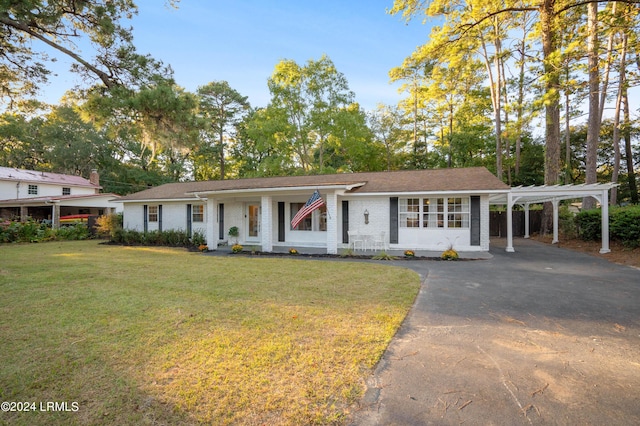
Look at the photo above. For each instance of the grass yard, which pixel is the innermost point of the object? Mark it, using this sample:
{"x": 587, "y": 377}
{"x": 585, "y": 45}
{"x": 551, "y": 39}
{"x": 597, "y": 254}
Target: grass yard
{"x": 164, "y": 336}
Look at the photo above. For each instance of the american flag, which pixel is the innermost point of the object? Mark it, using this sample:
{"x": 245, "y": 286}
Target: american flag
{"x": 314, "y": 202}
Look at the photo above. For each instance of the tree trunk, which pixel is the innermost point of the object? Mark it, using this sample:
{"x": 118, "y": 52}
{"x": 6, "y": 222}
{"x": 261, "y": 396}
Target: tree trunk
{"x": 593, "y": 126}
{"x": 633, "y": 188}
{"x": 616, "y": 121}
{"x": 607, "y": 68}
{"x": 552, "y": 107}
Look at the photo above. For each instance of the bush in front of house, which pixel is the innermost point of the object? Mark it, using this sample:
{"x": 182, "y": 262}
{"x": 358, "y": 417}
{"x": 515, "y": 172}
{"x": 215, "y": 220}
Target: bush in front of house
{"x": 35, "y": 232}
{"x": 624, "y": 225}
{"x": 106, "y": 225}
{"x": 168, "y": 238}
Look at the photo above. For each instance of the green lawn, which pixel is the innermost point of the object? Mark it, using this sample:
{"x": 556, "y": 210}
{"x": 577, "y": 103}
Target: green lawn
{"x": 139, "y": 335}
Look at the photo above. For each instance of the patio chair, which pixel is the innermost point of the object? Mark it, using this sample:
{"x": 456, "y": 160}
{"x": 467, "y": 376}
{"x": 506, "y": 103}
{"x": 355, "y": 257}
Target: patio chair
{"x": 355, "y": 239}
{"x": 380, "y": 241}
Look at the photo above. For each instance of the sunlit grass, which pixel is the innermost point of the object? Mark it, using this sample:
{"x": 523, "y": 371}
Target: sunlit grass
{"x": 138, "y": 335}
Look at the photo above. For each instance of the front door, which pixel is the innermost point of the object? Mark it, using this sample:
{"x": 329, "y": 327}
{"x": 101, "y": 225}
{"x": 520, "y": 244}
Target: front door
{"x": 253, "y": 222}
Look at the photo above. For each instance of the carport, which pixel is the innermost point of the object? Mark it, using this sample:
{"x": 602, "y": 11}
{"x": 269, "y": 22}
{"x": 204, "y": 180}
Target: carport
{"x": 526, "y": 196}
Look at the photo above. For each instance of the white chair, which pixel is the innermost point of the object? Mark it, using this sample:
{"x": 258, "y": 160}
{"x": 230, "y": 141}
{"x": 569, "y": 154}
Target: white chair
{"x": 355, "y": 239}
{"x": 380, "y": 241}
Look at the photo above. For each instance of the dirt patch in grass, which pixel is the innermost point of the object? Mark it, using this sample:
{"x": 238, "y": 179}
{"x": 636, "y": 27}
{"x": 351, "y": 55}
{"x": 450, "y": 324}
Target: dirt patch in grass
{"x": 619, "y": 253}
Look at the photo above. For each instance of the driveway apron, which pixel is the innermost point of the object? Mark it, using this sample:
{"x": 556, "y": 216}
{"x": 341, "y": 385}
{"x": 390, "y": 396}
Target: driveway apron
{"x": 540, "y": 336}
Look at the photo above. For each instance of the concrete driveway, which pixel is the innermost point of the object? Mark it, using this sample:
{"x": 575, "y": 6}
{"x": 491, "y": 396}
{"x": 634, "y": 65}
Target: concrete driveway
{"x": 541, "y": 336}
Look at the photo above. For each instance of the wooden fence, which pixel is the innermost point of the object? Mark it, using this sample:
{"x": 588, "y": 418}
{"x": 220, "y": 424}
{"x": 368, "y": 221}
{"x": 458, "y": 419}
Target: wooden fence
{"x": 498, "y": 223}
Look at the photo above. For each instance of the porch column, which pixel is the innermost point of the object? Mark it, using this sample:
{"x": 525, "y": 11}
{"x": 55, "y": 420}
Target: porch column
{"x": 212, "y": 224}
{"x": 555, "y": 202}
{"x": 332, "y": 223}
{"x": 24, "y": 213}
{"x": 266, "y": 223}
{"x": 604, "y": 210}
{"x": 509, "y": 247}
{"x": 526, "y": 220}
{"x": 55, "y": 216}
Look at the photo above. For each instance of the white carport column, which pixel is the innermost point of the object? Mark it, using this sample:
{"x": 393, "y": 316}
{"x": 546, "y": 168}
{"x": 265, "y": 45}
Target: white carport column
{"x": 555, "y": 203}
{"x": 212, "y": 224}
{"x": 509, "y": 247}
{"x": 332, "y": 223}
{"x": 266, "y": 224}
{"x": 526, "y": 220}
{"x": 604, "y": 210}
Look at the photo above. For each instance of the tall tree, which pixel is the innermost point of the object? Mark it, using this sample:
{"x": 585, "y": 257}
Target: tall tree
{"x": 221, "y": 108}
{"x": 27, "y": 24}
{"x": 309, "y": 98}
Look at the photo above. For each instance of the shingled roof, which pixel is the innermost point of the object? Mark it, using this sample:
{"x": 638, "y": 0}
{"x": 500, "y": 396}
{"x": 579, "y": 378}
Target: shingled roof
{"x": 12, "y": 174}
{"x": 434, "y": 180}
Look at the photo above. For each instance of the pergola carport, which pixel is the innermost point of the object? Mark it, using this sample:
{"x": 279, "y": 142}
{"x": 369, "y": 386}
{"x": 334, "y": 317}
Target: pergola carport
{"x": 528, "y": 195}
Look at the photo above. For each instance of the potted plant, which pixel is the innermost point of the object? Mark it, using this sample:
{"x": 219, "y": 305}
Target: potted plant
{"x": 234, "y": 232}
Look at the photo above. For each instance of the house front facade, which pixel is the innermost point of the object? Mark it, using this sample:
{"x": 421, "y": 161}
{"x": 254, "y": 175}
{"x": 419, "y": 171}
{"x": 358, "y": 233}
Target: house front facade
{"x": 49, "y": 196}
{"x": 400, "y": 210}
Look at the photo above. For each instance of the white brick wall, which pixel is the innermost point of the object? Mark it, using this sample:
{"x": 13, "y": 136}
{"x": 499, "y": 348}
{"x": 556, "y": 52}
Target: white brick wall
{"x": 174, "y": 217}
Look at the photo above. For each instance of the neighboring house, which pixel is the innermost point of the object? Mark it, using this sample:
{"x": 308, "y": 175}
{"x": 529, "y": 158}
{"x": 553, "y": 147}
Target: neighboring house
{"x": 400, "y": 210}
{"x": 48, "y": 196}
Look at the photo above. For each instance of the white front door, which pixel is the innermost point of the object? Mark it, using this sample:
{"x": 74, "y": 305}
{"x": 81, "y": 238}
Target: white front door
{"x": 253, "y": 222}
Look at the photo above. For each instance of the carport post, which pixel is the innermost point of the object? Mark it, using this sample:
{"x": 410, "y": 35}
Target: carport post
{"x": 604, "y": 210}
{"x": 526, "y": 220}
{"x": 555, "y": 202}
{"x": 509, "y": 247}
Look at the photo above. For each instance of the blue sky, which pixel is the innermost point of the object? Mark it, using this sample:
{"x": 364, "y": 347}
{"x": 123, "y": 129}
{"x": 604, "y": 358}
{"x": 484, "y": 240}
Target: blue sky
{"x": 242, "y": 41}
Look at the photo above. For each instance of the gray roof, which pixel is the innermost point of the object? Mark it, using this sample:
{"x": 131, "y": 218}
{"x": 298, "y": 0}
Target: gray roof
{"x": 32, "y": 176}
{"x": 472, "y": 179}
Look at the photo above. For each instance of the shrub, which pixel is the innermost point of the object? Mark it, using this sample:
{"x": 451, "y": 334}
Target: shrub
{"x": 625, "y": 225}
{"x": 588, "y": 224}
{"x": 198, "y": 239}
{"x": 236, "y": 248}
{"x": 567, "y": 222}
{"x": 107, "y": 225}
{"x": 79, "y": 231}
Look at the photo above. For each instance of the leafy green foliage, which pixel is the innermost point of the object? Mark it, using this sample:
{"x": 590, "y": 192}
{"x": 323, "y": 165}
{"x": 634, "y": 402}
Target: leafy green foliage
{"x": 168, "y": 238}
{"x": 35, "y": 232}
{"x": 624, "y": 225}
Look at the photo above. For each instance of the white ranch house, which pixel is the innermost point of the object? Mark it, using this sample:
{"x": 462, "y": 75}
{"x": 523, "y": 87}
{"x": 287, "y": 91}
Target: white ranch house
{"x": 400, "y": 210}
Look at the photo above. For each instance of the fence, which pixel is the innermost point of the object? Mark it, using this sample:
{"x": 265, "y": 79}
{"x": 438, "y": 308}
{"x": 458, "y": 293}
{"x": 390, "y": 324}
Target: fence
{"x": 498, "y": 223}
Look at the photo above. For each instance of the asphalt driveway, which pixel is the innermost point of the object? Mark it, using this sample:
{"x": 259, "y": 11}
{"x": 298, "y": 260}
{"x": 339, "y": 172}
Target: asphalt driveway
{"x": 541, "y": 336}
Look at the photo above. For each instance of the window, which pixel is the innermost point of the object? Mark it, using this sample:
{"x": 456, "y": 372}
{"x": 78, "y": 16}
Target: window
{"x": 32, "y": 190}
{"x": 430, "y": 213}
{"x": 316, "y": 221}
{"x": 433, "y": 213}
{"x": 409, "y": 213}
{"x": 197, "y": 213}
{"x": 152, "y": 214}
{"x": 458, "y": 209}
{"x": 66, "y": 191}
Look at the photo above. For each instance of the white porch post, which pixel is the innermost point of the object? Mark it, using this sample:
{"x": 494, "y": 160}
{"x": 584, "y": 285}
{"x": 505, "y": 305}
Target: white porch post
{"x": 332, "y": 223}
{"x": 555, "y": 220}
{"x": 526, "y": 220}
{"x": 604, "y": 210}
{"x": 212, "y": 224}
{"x": 509, "y": 247}
{"x": 266, "y": 224}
